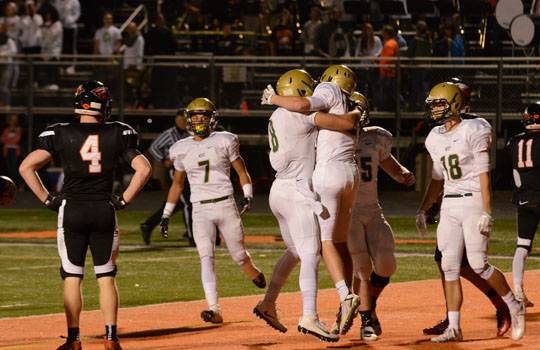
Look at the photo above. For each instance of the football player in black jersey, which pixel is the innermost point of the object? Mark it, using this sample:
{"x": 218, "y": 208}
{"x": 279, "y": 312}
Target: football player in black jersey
{"x": 502, "y": 313}
{"x": 525, "y": 150}
{"x": 89, "y": 152}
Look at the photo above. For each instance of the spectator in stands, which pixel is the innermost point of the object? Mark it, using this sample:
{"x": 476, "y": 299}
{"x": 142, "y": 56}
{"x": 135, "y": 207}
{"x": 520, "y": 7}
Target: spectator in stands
{"x": 420, "y": 46}
{"x": 252, "y": 23}
{"x": 133, "y": 63}
{"x": 7, "y": 49}
{"x": 311, "y": 33}
{"x": 387, "y": 71}
{"x": 369, "y": 45}
{"x": 192, "y": 13}
{"x": 284, "y": 36}
{"x": 31, "y": 36}
{"x": 402, "y": 43}
{"x": 108, "y": 38}
{"x": 11, "y": 138}
{"x": 226, "y": 44}
{"x": 69, "y": 12}
{"x": 338, "y": 43}
{"x": 51, "y": 46}
{"x": 13, "y": 26}
{"x": 161, "y": 41}
{"x": 451, "y": 45}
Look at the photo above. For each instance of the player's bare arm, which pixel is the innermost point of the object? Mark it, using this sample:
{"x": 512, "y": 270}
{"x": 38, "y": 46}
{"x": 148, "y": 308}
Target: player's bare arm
{"x": 397, "y": 171}
{"x": 143, "y": 170}
{"x": 240, "y": 167}
{"x": 177, "y": 186}
{"x": 28, "y": 170}
{"x": 337, "y": 122}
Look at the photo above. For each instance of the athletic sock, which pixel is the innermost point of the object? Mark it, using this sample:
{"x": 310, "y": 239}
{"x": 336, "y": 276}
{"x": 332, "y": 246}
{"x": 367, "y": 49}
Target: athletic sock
{"x": 366, "y": 316}
{"x": 511, "y": 301}
{"x": 495, "y": 299}
{"x": 518, "y": 267}
{"x": 73, "y": 334}
{"x": 453, "y": 319}
{"x": 343, "y": 290}
{"x": 111, "y": 332}
{"x": 374, "y": 302}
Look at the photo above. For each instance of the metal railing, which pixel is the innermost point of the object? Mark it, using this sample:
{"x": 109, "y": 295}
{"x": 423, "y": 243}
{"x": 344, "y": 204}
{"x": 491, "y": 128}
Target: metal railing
{"x": 500, "y": 86}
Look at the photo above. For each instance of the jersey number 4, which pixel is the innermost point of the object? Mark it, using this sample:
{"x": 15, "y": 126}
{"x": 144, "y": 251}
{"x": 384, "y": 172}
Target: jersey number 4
{"x": 90, "y": 153}
{"x": 528, "y": 163}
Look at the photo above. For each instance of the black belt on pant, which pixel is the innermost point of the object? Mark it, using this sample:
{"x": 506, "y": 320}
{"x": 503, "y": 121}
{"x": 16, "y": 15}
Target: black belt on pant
{"x": 457, "y": 195}
{"x": 215, "y": 200}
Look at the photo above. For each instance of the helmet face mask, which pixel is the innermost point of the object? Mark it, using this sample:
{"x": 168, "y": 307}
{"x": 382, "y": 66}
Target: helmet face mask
{"x": 342, "y": 76}
{"x": 362, "y": 103}
{"x": 93, "y": 98}
{"x": 531, "y": 116}
{"x": 296, "y": 82}
{"x": 201, "y": 117}
{"x": 445, "y": 101}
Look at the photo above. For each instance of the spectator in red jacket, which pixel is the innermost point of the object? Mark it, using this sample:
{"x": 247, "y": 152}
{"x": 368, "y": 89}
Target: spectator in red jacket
{"x": 11, "y": 138}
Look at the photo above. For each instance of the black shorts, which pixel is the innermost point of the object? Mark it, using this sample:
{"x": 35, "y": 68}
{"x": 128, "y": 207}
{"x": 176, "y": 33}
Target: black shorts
{"x": 464, "y": 260}
{"x": 527, "y": 223}
{"x": 83, "y": 224}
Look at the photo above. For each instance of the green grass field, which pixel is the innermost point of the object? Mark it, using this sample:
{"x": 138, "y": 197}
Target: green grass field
{"x": 169, "y": 270}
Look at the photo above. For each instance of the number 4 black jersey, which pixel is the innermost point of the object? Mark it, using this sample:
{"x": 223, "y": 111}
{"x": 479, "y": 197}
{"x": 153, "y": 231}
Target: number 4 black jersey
{"x": 89, "y": 154}
{"x": 525, "y": 150}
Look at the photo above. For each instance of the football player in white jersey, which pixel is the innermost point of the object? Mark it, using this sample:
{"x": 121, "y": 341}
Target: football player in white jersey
{"x": 503, "y": 313}
{"x": 335, "y": 179}
{"x": 371, "y": 240}
{"x": 292, "y": 137}
{"x": 459, "y": 150}
{"x": 205, "y": 159}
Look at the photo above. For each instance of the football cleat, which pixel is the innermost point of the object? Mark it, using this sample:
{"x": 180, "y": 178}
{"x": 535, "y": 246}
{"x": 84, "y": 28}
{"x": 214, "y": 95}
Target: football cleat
{"x": 310, "y": 324}
{"x": 267, "y": 311}
{"x": 503, "y": 321}
{"x": 439, "y": 328}
{"x": 518, "y": 322}
{"x": 213, "y": 315}
{"x": 449, "y": 335}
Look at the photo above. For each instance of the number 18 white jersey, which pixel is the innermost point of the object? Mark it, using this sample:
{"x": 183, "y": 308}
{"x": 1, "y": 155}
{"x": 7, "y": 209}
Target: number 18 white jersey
{"x": 292, "y": 137}
{"x": 207, "y": 164}
{"x": 454, "y": 153}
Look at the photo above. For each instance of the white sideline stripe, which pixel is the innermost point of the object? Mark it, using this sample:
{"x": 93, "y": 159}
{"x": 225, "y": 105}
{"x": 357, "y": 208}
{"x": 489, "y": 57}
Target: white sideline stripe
{"x": 32, "y": 267}
{"x": 226, "y": 298}
{"x": 13, "y": 305}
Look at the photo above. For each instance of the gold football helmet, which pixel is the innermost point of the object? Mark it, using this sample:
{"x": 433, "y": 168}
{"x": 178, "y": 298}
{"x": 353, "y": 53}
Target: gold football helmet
{"x": 445, "y": 101}
{"x": 342, "y": 76}
{"x": 296, "y": 82}
{"x": 361, "y": 101}
{"x": 201, "y": 105}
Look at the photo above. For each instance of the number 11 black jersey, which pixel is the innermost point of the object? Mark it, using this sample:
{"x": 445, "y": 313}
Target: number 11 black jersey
{"x": 525, "y": 150}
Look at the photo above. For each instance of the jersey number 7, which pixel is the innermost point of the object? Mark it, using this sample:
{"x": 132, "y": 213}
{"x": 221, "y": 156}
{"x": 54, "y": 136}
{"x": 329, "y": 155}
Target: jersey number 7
{"x": 90, "y": 153}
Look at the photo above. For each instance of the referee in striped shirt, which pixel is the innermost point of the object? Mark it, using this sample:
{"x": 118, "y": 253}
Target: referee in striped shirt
{"x": 159, "y": 149}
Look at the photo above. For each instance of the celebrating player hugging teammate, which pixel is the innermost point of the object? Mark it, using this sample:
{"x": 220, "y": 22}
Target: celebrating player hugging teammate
{"x": 205, "y": 159}
{"x": 335, "y": 178}
{"x": 292, "y": 137}
{"x": 459, "y": 150}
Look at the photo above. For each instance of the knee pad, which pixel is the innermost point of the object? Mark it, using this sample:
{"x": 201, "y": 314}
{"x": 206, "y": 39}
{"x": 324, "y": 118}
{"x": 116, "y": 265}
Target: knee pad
{"x": 485, "y": 271}
{"x": 451, "y": 268}
{"x": 240, "y": 256}
{"x": 110, "y": 273}
{"x": 378, "y": 281}
{"x": 65, "y": 274}
{"x": 525, "y": 244}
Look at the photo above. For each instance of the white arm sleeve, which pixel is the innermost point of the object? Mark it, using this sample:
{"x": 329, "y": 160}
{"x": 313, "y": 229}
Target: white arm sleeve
{"x": 234, "y": 149}
{"x": 480, "y": 141}
{"x": 323, "y": 97}
{"x": 177, "y": 159}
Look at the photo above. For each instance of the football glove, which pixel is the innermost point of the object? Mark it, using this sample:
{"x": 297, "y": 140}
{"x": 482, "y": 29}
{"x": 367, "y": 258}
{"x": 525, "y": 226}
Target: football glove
{"x": 53, "y": 202}
{"x": 485, "y": 223}
{"x": 266, "y": 98}
{"x": 118, "y": 201}
{"x": 421, "y": 222}
{"x": 246, "y": 204}
{"x": 164, "y": 227}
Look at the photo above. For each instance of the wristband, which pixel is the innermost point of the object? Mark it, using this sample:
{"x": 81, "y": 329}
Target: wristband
{"x": 168, "y": 210}
{"x": 248, "y": 190}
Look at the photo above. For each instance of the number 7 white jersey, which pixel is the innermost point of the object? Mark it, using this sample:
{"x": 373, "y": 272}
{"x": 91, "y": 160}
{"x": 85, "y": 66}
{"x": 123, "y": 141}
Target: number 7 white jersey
{"x": 457, "y": 155}
{"x": 207, "y": 164}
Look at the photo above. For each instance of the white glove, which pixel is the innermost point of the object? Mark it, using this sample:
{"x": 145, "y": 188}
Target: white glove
{"x": 421, "y": 222}
{"x": 266, "y": 98}
{"x": 485, "y": 223}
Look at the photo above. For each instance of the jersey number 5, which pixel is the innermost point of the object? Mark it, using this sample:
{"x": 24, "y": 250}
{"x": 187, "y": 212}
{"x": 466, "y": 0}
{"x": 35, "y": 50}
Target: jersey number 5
{"x": 528, "y": 163}
{"x": 90, "y": 153}
{"x": 365, "y": 165}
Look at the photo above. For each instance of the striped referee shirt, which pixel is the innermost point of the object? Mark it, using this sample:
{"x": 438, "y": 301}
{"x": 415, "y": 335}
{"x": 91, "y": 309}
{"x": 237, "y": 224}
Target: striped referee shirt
{"x": 159, "y": 149}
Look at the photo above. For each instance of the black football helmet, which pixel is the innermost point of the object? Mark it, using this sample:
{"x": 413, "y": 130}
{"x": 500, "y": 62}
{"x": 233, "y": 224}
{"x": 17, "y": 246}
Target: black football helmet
{"x": 93, "y": 98}
{"x": 531, "y": 116}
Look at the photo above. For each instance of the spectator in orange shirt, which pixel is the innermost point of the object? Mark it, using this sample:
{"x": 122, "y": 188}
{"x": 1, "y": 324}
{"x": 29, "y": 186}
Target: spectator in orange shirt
{"x": 387, "y": 71}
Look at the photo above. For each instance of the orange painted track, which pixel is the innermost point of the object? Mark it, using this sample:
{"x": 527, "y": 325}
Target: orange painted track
{"x": 404, "y": 310}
